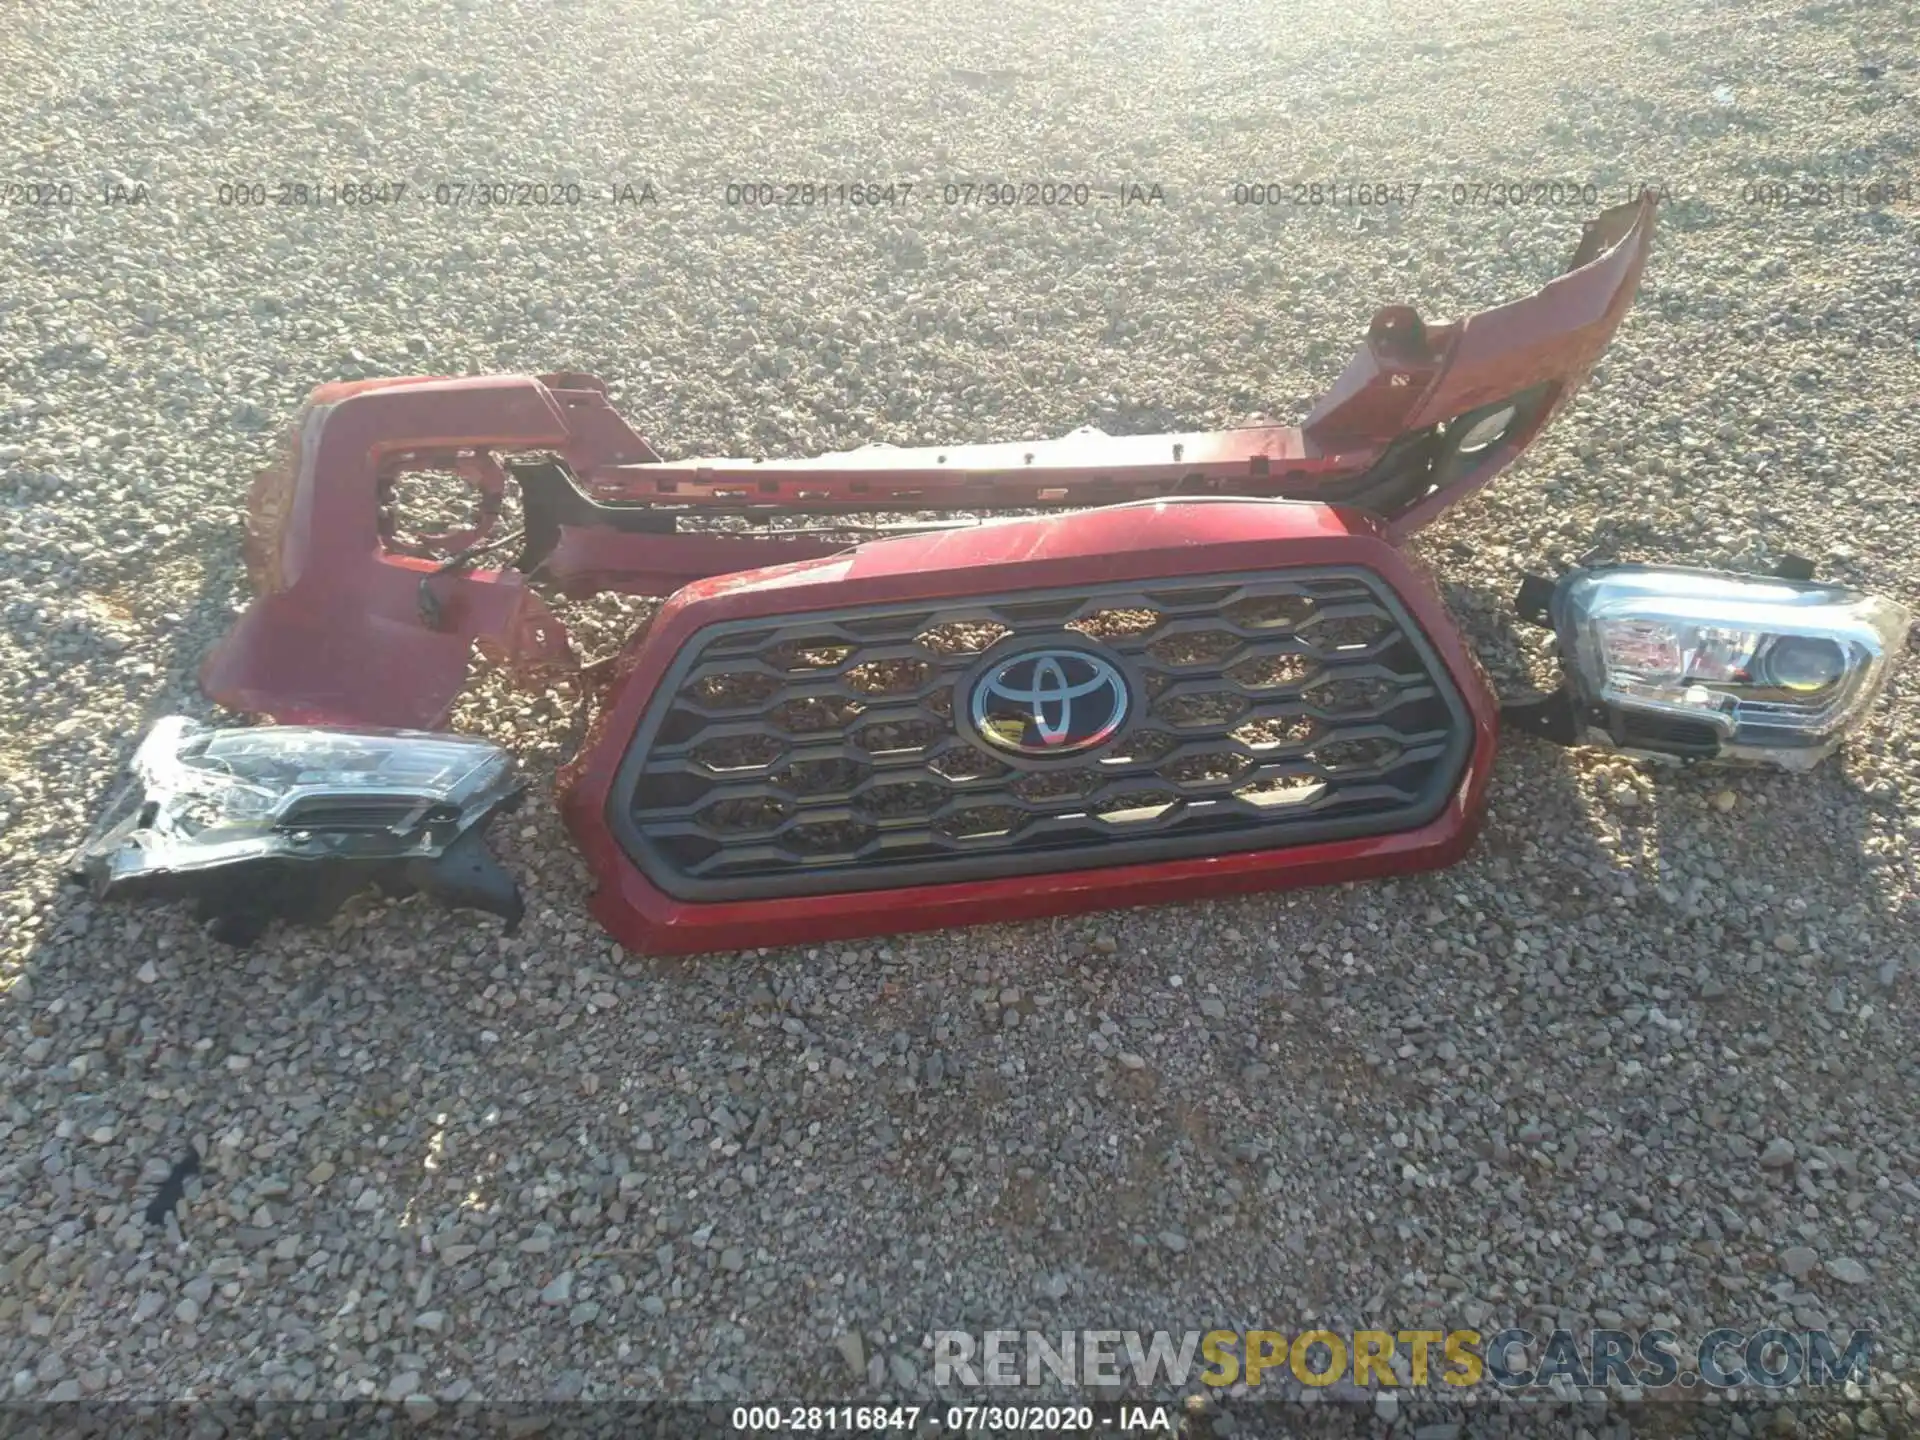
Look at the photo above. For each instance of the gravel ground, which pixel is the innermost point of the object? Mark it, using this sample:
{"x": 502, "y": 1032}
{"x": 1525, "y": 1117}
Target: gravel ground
{"x": 1647, "y": 1056}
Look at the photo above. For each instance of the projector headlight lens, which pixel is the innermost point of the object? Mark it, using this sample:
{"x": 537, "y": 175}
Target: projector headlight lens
{"x": 1804, "y": 666}
{"x": 1733, "y": 666}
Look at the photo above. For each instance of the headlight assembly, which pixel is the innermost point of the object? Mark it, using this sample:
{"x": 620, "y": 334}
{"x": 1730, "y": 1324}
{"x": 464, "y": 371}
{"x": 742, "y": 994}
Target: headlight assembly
{"x": 289, "y": 820}
{"x": 1704, "y": 665}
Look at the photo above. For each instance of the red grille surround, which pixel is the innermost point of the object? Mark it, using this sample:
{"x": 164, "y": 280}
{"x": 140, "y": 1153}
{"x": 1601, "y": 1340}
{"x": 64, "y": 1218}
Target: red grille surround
{"x": 1138, "y": 546}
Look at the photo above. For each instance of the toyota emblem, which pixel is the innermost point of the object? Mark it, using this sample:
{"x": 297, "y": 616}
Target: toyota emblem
{"x": 1048, "y": 702}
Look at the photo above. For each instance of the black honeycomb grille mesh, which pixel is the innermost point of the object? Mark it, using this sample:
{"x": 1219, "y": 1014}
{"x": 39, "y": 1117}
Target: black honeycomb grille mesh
{"x": 820, "y": 753}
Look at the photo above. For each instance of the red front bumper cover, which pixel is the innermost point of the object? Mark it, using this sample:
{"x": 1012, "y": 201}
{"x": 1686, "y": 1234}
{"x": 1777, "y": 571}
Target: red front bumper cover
{"x": 1254, "y": 754}
{"x": 353, "y": 626}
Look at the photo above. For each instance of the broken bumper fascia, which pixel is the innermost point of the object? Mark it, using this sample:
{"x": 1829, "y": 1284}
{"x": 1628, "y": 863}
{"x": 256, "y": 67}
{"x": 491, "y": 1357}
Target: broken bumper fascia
{"x": 350, "y": 627}
{"x": 287, "y": 822}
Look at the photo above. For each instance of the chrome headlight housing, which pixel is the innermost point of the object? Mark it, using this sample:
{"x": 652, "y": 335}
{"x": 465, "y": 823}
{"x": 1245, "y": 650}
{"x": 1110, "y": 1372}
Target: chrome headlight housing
{"x": 1673, "y": 661}
{"x": 288, "y": 820}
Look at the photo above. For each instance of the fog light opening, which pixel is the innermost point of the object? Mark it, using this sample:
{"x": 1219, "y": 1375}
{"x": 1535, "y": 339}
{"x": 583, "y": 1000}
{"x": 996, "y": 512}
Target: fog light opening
{"x": 1486, "y": 431}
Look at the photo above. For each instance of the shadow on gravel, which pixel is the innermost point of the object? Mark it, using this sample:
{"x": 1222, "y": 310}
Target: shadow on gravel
{"x": 177, "y": 662}
{"x": 1735, "y": 874}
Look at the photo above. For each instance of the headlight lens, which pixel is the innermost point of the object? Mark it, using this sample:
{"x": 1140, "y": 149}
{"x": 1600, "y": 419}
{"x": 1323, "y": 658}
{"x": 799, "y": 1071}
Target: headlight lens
{"x": 1738, "y": 667}
{"x": 1802, "y": 665}
{"x": 203, "y": 797}
{"x": 287, "y": 821}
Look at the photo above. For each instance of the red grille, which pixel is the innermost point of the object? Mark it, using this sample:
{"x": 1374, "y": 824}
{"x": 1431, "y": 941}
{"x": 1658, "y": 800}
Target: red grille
{"x": 795, "y": 753}
{"x": 835, "y": 752}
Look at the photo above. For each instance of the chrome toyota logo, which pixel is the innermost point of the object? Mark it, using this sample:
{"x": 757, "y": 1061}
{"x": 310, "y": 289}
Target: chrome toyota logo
{"x": 1048, "y": 702}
